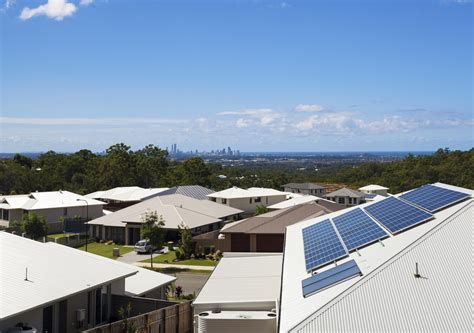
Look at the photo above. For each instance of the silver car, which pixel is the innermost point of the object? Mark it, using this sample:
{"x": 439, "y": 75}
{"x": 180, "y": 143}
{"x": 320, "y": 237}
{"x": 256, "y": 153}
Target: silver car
{"x": 144, "y": 246}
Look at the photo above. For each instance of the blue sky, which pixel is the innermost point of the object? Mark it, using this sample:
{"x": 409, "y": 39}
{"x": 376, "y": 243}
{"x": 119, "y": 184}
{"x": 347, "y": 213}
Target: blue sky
{"x": 255, "y": 75}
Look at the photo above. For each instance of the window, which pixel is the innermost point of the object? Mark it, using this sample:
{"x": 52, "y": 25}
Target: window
{"x": 258, "y": 199}
{"x": 224, "y": 201}
{"x": 65, "y": 211}
{"x": 340, "y": 200}
{"x": 5, "y": 214}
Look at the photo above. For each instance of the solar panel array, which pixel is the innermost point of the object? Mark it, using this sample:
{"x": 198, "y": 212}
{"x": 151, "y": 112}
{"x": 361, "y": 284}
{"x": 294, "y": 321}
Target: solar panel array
{"x": 433, "y": 198}
{"x": 321, "y": 244}
{"x": 397, "y": 215}
{"x": 357, "y": 229}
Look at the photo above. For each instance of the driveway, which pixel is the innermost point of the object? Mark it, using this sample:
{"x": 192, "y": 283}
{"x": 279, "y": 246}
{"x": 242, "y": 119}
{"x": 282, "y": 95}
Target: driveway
{"x": 133, "y": 257}
{"x": 191, "y": 282}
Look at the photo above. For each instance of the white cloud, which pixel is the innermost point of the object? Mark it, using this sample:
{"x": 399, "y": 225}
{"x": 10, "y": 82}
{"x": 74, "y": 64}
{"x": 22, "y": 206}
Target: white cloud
{"x": 309, "y": 108}
{"x": 246, "y": 112}
{"x": 8, "y": 4}
{"x": 86, "y": 2}
{"x": 241, "y": 123}
{"x": 55, "y": 9}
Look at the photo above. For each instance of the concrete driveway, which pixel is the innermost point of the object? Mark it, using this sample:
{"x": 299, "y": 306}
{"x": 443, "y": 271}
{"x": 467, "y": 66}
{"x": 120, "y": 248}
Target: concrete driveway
{"x": 133, "y": 257}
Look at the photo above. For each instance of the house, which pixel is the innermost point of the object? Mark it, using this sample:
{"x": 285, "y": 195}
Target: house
{"x": 305, "y": 188}
{"x": 296, "y": 199}
{"x": 266, "y": 232}
{"x": 123, "y": 226}
{"x": 346, "y": 196}
{"x": 247, "y": 200}
{"x": 240, "y": 295}
{"x": 400, "y": 264}
{"x": 58, "y": 289}
{"x": 55, "y": 207}
{"x": 374, "y": 189}
{"x": 193, "y": 191}
{"x": 121, "y": 197}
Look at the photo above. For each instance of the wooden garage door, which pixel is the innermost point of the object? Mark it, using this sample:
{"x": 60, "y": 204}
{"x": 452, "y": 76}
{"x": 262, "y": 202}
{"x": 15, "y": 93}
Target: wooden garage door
{"x": 240, "y": 243}
{"x": 270, "y": 243}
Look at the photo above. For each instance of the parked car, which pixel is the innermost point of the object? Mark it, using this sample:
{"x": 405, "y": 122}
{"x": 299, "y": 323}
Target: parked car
{"x": 144, "y": 246}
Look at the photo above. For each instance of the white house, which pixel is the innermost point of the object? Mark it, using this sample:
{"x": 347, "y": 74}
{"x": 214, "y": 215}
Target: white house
{"x": 400, "y": 264}
{"x": 374, "y": 189}
{"x": 305, "y": 188}
{"x": 200, "y": 216}
{"x": 58, "y": 289}
{"x": 53, "y": 206}
{"x": 248, "y": 200}
{"x": 346, "y": 196}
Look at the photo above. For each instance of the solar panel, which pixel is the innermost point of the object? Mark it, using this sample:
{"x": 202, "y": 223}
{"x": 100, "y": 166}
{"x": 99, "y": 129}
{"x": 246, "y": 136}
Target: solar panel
{"x": 370, "y": 196}
{"x": 396, "y": 215}
{"x": 433, "y": 198}
{"x": 330, "y": 277}
{"x": 321, "y": 244}
{"x": 357, "y": 229}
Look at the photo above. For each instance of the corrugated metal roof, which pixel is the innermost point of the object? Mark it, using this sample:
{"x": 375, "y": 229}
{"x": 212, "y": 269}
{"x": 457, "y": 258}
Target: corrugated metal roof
{"x": 145, "y": 280}
{"x": 45, "y": 200}
{"x": 345, "y": 192}
{"x": 128, "y": 193}
{"x": 391, "y": 298}
{"x": 373, "y": 187}
{"x": 252, "y": 192}
{"x": 276, "y": 224}
{"x": 54, "y": 272}
{"x": 175, "y": 209}
{"x": 295, "y": 308}
{"x": 193, "y": 191}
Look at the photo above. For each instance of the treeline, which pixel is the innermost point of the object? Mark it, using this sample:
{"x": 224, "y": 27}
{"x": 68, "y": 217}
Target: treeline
{"x": 451, "y": 167}
{"x": 85, "y": 172}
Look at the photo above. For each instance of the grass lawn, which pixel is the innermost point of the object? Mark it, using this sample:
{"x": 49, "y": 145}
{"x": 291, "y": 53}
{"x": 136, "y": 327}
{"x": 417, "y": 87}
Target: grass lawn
{"x": 170, "y": 256}
{"x": 61, "y": 235}
{"x": 105, "y": 250}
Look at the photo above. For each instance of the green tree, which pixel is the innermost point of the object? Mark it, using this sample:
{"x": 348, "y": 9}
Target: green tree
{"x": 152, "y": 230}
{"x": 186, "y": 243}
{"x": 261, "y": 209}
{"x": 34, "y": 225}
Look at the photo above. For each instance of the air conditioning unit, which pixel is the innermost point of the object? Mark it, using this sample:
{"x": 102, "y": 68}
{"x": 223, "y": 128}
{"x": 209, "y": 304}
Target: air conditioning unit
{"x": 236, "y": 322}
{"x": 80, "y": 315}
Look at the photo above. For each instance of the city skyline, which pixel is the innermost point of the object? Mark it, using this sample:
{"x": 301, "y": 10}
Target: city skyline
{"x": 258, "y": 75}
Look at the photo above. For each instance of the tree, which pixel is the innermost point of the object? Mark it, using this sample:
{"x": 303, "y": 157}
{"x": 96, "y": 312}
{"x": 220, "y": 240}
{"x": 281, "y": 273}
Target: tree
{"x": 34, "y": 225}
{"x": 261, "y": 209}
{"x": 153, "y": 231}
{"x": 186, "y": 243}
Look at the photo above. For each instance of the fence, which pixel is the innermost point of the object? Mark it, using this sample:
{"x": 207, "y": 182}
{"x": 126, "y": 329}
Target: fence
{"x": 210, "y": 239}
{"x": 177, "y": 318}
{"x": 71, "y": 240}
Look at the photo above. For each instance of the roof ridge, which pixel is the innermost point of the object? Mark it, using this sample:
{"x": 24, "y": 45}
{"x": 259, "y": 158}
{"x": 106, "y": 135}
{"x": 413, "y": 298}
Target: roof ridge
{"x": 385, "y": 264}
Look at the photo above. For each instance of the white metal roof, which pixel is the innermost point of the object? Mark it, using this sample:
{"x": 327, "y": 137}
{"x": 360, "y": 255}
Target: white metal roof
{"x": 295, "y": 308}
{"x": 294, "y": 202}
{"x": 145, "y": 281}
{"x": 391, "y": 299}
{"x": 54, "y": 272}
{"x": 372, "y": 187}
{"x": 129, "y": 193}
{"x": 175, "y": 209}
{"x": 45, "y": 200}
{"x": 242, "y": 282}
{"x": 252, "y": 192}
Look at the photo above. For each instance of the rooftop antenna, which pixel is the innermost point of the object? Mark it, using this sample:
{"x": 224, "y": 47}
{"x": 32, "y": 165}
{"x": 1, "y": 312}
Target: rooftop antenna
{"x": 357, "y": 251}
{"x": 417, "y": 273}
{"x": 26, "y": 274}
{"x": 381, "y": 243}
